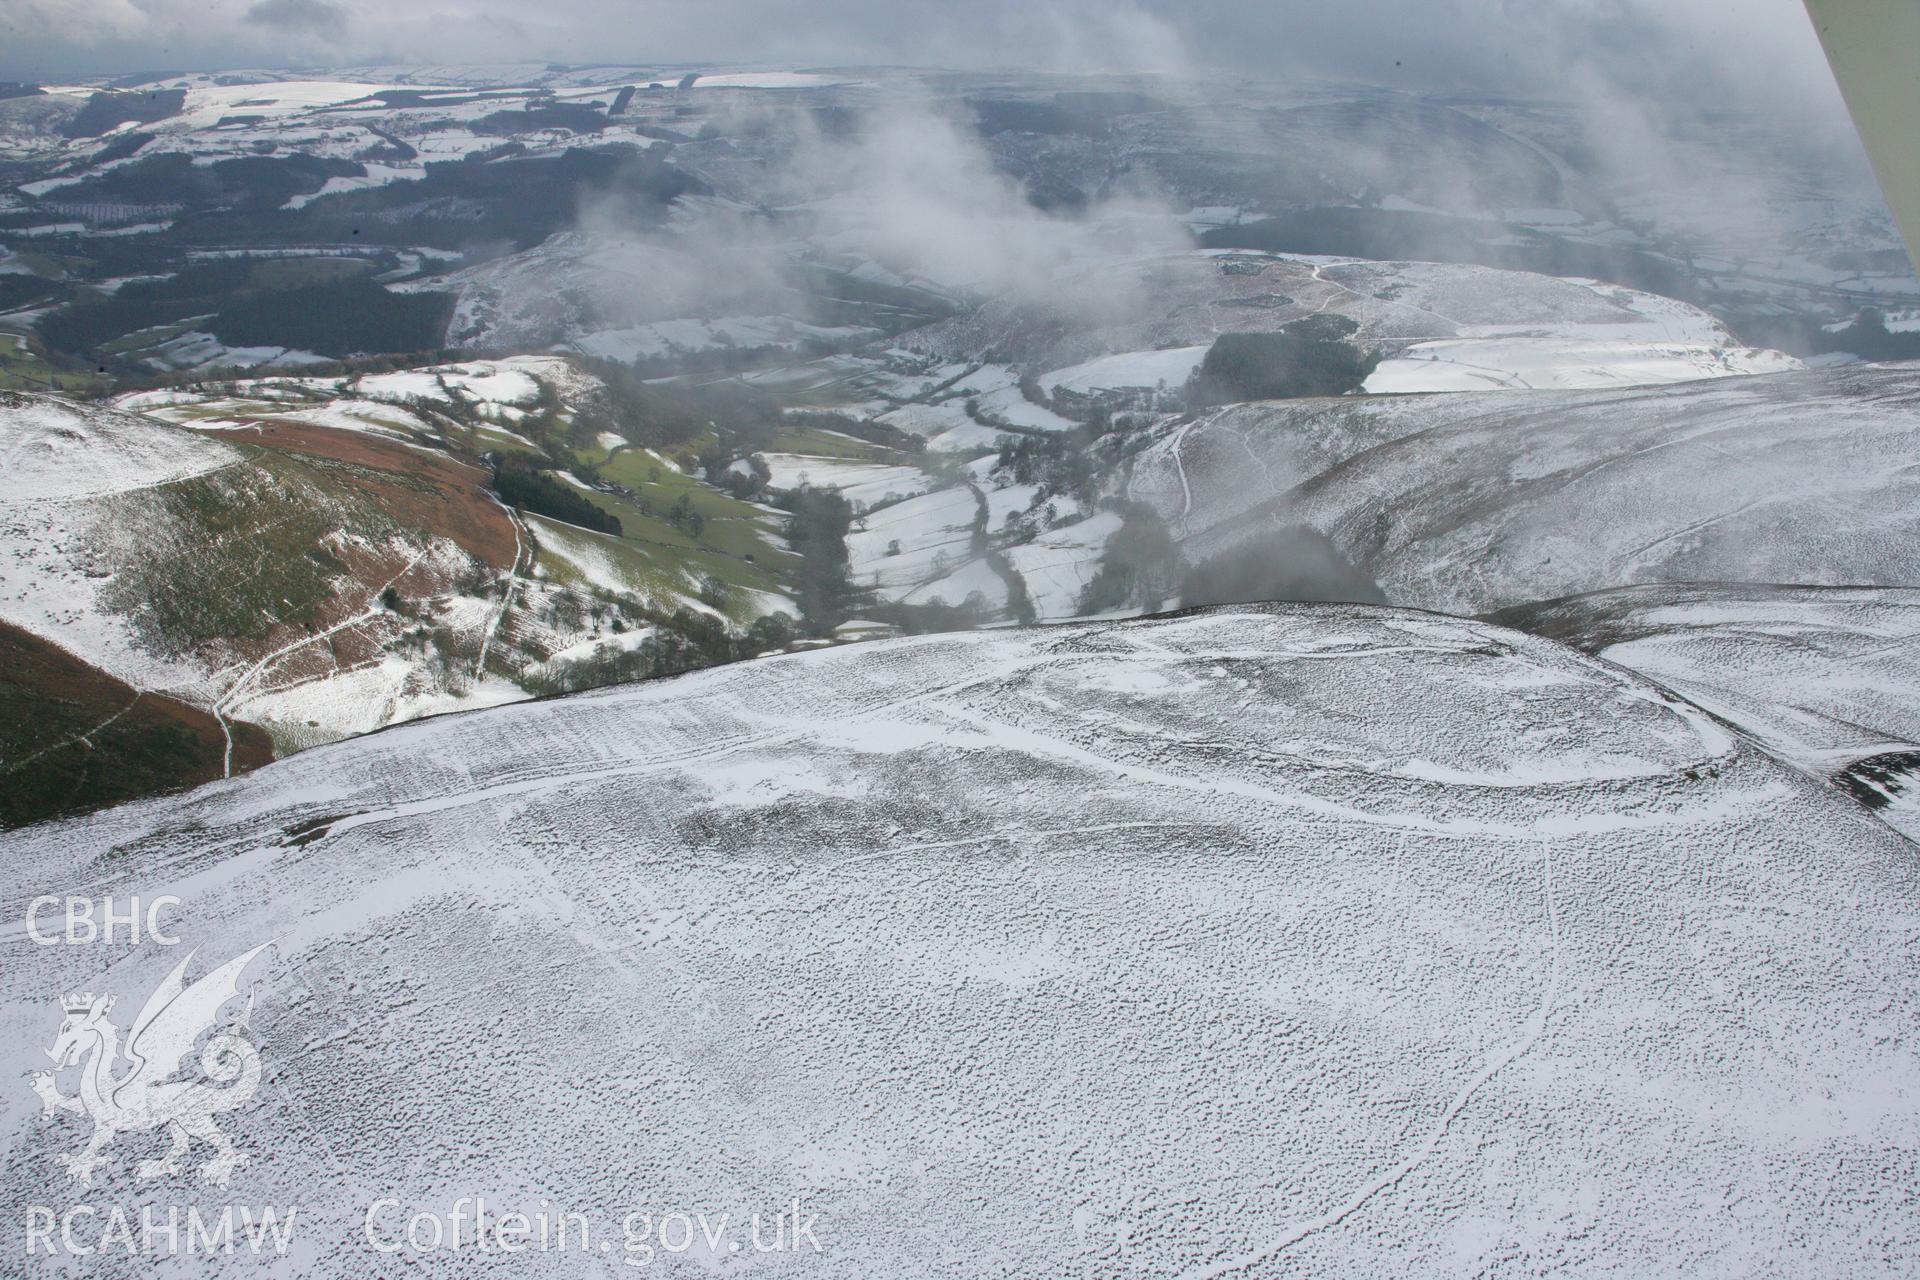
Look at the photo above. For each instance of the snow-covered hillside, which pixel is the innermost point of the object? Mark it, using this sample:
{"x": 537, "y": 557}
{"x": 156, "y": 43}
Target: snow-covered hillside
{"x": 56, "y": 451}
{"x": 323, "y": 556}
{"x": 1826, "y": 678}
{"x": 1305, "y": 940}
{"x": 247, "y": 581}
{"x": 1546, "y": 361}
{"x": 1441, "y": 327}
{"x": 1475, "y": 501}
{"x": 1820, "y": 674}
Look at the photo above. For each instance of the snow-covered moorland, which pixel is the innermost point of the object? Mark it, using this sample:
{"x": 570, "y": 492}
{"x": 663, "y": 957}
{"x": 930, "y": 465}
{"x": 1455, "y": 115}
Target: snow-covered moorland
{"x": 1338, "y": 940}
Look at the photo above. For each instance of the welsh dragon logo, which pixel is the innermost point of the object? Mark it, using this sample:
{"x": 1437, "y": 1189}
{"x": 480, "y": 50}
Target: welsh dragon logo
{"x": 147, "y": 1095}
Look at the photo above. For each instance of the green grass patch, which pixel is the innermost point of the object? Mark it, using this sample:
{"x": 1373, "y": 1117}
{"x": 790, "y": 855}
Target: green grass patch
{"x": 145, "y": 339}
{"x": 728, "y": 525}
{"x": 595, "y": 454}
{"x": 23, "y": 368}
{"x": 666, "y": 564}
{"x": 46, "y": 266}
{"x": 230, "y": 554}
{"x": 819, "y": 442}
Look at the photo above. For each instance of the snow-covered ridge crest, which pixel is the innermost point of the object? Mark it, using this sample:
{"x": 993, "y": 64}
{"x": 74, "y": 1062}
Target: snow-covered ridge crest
{"x": 54, "y": 449}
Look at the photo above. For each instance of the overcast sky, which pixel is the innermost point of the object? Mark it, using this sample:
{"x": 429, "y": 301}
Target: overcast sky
{"x": 1758, "y": 51}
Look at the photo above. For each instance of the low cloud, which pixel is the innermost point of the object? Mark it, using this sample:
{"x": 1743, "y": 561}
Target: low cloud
{"x": 907, "y": 187}
{"x": 315, "y": 17}
{"x": 917, "y": 190}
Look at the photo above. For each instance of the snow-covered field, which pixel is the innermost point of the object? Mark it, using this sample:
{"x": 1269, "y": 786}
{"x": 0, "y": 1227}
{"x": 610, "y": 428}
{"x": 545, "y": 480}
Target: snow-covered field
{"x": 492, "y": 383}
{"x": 1570, "y": 934}
{"x": 196, "y": 350}
{"x": 975, "y": 580}
{"x": 909, "y": 544}
{"x": 1060, "y": 563}
{"x": 1008, "y": 405}
{"x": 1128, "y": 371}
{"x": 967, "y": 438}
{"x": 1547, "y": 363}
{"x": 930, "y": 420}
{"x": 1324, "y": 941}
{"x": 1819, "y": 674}
{"x": 863, "y": 483}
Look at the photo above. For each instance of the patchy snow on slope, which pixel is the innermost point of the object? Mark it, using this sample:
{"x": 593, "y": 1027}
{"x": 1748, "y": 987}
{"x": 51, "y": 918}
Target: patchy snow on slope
{"x": 596, "y": 558}
{"x": 1263, "y": 941}
{"x": 396, "y": 688}
{"x": 87, "y": 510}
{"x": 96, "y": 501}
{"x": 1204, "y": 473}
{"x": 361, "y": 415}
{"x": 596, "y": 646}
{"x": 500, "y": 390}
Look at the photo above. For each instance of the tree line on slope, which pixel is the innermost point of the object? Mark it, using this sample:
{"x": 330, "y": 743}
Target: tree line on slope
{"x": 525, "y": 489}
